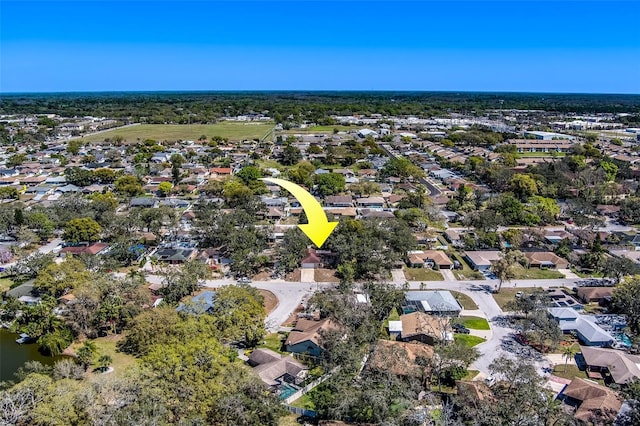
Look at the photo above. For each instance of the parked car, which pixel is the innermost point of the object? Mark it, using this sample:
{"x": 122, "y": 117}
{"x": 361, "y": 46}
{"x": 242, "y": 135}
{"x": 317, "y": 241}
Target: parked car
{"x": 459, "y": 328}
{"x": 244, "y": 280}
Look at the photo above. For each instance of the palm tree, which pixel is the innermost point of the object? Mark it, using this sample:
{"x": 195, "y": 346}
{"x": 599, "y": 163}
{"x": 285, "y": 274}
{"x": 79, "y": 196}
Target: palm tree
{"x": 568, "y": 353}
{"x": 85, "y": 353}
{"x": 104, "y": 362}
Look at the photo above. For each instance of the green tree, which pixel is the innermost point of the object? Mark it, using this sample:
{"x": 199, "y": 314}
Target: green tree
{"x": 290, "y": 155}
{"x": 292, "y": 249}
{"x": 9, "y": 192}
{"x": 626, "y": 300}
{"x": 505, "y": 268}
{"x": 105, "y": 176}
{"x": 568, "y": 353}
{"x": 403, "y": 168}
{"x": 239, "y": 314}
{"x": 164, "y": 188}
{"x": 56, "y": 278}
{"x": 41, "y": 224}
{"x": 330, "y": 183}
{"x": 128, "y": 185}
{"x": 82, "y": 230}
{"x": 73, "y": 146}
{"x": 86, "y": 352}
{"x": 104, "y": 361}
{"x": 523, "y": 186}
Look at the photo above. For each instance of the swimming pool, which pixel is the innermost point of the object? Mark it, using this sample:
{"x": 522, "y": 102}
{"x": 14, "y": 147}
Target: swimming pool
{"x": 286, "y": 390}
{"x": 624, "y": 339}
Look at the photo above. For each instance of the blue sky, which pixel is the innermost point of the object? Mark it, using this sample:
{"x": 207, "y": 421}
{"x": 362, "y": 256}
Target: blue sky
{"x": 542, "y": 46}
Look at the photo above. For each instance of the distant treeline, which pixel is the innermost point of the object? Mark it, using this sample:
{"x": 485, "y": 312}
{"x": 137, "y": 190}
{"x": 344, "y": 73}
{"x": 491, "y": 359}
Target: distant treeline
{"x": 207, "y": 107}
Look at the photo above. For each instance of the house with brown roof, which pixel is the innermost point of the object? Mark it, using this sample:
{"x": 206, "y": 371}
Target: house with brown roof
{"x": 600, "y": 295}
{"x": 546, "y": 260}
{"x": 593, "y": 403}
{"x": 435, "y": 259}
{"x": 275, "y": 369}
{"x": 425, "y": 328}
{"x": 399, "y": 358}
{"x": 218, "y": 172}
{"x": 306, "y": 336}
{"x": 622, "y": 367}
{"x": 311, "y": 260}
{"x": 338, "y": 201}
{"x": 91, "y": 250}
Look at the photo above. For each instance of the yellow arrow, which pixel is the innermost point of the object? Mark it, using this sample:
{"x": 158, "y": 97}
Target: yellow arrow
{"x": 319, "y": 228}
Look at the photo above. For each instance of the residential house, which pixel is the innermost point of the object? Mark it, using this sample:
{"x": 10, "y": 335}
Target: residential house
{"x": 175, "y": 203}
{"x": 545, "y": 260}
{"x": 439, "y": 302}
{"x": 145, "y": 202}
{"x": 275, "y": 369}
{"x": 424, "y": 328}
{"x": 306, "y": 336}
{"x": 399, "y": 358}
{"x": 372, "y": 213}
{"x": 370, "y": 202}
{"x": 90, "y": 250}
{"x": 435, "y": 259}
{"x": 453, "y": 237}
{"x": 601, "y": 295}
{"x": 620, "y": 366}
{"x": 589, "y": 333}
{"x": 338, "y": 201}
{"x": 592, "y": 403}
{"x": 220, "y": 172}
{"x": 311, "y": 260}
{"x": 482, "y": 260}
{"x": 175, "y": 256}
{"x": 199, "y": 304}
{"x": 273, "y": 214}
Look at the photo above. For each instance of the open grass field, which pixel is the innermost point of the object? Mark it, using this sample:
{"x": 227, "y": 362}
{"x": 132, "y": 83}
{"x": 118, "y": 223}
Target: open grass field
{"x": 328, "y": 130}
{"x": 536, "y": 273}
{"x": 107, "y": 346}
{"x": 468, "y": 339}
{"x": 172, "y": 132}
{"x": 474, "y": 323}
{"x": 422, "y": 274}
{"x": 508, "y": 294}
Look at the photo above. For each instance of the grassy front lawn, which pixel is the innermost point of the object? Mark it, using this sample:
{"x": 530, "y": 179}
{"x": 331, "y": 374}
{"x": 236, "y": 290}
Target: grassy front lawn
{"x": 422, "y": 274}
{"x": 466, "y": 273}
{"x": 5, "y": 284}
{"x": 572, "y": 372}
{"x": 273, "y": 341}
{"x": 464, "y": 300}
{"x": 226, "y": 129}
{"x": 475, "y": 323}
{"x": 471, "y": 374}
{"x": 468, "y": 340}
{"x": 508, "y": 294}
{"x": 537, "y": 274}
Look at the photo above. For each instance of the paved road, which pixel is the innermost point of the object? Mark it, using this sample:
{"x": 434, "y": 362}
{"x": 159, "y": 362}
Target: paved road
{"x": 47, "y": 248}
{"x": 291, "y": 294}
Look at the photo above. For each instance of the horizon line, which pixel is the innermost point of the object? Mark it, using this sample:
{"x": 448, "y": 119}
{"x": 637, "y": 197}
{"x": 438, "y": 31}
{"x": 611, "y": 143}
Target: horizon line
{"x": 177, "y": 91}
